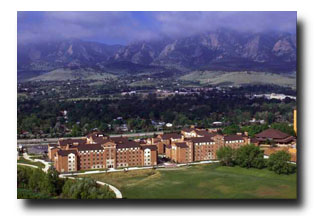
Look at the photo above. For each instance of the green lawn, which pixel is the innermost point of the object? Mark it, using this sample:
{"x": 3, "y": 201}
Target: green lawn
{"x": 240, "y": 78}
{"x": 23, "y": 160}
{"x": 201, "y": 182}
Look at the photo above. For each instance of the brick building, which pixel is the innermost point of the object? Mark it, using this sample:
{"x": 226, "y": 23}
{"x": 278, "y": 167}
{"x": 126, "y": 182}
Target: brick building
{"x": 200, "y": 145}
{"x": 179, "y": 152}
{"x": 98, "y": 151}
{"x": 164, "y": 140}
{"x": 275, "y": 136}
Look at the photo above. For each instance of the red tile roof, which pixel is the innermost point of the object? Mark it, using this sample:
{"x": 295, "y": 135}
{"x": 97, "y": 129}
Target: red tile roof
{"x": 151, "y": 147}
{"x": 66, "y": 152}
{"x": 188, "y": 129}
{"x": 64, "y": 142}
{"x": 181, "y": 144}
{"x": 89, "y": 147}
{"x": 272, "y": 134}
{"x": 128, "y": 144}
{"x": 233, "y": 137}
{"x": 171, "y": 136}
{"x": 201, "y": 139}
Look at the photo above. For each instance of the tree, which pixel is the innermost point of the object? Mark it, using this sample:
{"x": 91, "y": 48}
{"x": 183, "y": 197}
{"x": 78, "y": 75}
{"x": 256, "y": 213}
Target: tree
{"x": 278, "y": 162}
{"x": 250, "y": 156}
{"x": 76, "y": 131}
{"x": 35, "y": 182}
{"x": 254, "y": 129}
{"x": 232, "y": 129}
{"x": 52, "y": 183}
{"x": 85, "y": 188}
{"x": 226, "y": 156}
{"x": 23, "y": 174}
{"x": 284, "y": 127}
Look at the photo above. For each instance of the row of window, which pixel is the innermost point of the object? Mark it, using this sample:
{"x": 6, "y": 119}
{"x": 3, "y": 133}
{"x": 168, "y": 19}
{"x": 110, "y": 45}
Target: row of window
{"x": 235, "y": 141}
{"x": 205, "y": 143}
{"x": 128, "y": 149}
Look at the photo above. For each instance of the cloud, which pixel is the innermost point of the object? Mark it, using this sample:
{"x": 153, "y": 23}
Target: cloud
{"x": 182, "y": 23}
{"x": 125, "y": 27}
{"x": 113, "y": 27}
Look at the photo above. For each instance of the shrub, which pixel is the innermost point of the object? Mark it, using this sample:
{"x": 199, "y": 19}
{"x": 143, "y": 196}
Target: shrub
{"x": 52, "y": 184}
{"x": 250, "y": 156}
{"x": 36, "y": 179}
{"x": 23, "y": 175}
{"x": 85, "y": 189}
{"x": 23, "y": 193}
{"x": 278, "y": 162}
{"x": 226, "y": 156}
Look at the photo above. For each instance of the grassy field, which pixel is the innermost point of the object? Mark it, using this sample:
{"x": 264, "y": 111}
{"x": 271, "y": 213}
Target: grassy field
{"x": 201, "y": 182}
{"x": 67, "y": 74}
{"x": 240, "y": 78}
{"x": 142, "y": 83}
{"x": 23, "y": 160}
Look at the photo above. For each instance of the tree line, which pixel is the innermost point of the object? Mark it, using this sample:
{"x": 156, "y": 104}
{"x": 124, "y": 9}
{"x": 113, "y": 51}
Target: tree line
{"x": 257, "y": 128}
{"x": 36, "y": 184}
{"x": 44, "y": 116}
{"x": 251, "y": 156}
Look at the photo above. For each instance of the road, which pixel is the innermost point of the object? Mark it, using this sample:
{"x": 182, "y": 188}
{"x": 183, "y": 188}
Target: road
{"x": 36, "y": 142}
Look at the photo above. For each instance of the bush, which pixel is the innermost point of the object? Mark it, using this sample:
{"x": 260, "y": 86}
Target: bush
{"x": 226, "y": 156}
{"x": 23, "y": 175}
{"x": 278, "y": 162}
{"x": 36, "y": 180}
{"x": 232, "y": 129}
{"x": 35, "y": 184}
{"x": 250, "y": 156}
{"x": 85, "y": 189}
{"x": 23, "y": 193}
{"x": 52, "y": 184}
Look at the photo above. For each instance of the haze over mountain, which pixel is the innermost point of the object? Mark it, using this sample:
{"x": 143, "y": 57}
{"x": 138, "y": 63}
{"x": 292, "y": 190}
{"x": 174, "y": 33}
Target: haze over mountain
{"x": 226, "y": 50}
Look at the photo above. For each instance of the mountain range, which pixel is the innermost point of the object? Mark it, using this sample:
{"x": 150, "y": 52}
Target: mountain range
{"x": 223, "y": 50}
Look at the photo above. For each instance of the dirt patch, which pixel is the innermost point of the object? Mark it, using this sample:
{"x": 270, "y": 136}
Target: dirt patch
{"x": 267, "y": 192}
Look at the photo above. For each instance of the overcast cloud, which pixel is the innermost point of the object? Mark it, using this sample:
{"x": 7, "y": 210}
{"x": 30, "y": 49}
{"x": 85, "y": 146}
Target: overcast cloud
{"x": 126, "y": 27}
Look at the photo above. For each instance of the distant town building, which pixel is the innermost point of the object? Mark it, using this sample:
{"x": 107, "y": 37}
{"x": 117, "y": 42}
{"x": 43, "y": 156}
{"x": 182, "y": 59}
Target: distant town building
{"x": 274, "y": 96}
{"x": 168, "y": 125}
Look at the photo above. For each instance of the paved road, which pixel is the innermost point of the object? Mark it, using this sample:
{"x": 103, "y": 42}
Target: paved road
{"x": 29, "y": 165}
{"x": 47, "y": 164}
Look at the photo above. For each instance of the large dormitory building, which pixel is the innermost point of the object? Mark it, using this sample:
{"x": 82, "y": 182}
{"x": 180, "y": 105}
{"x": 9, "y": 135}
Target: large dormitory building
{"x": 98, "y": 151}
{"x": 195, "y": 144}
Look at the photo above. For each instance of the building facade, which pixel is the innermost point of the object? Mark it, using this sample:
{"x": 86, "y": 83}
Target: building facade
{"x": 201, "y": 145}
{"x": 97, "y": 151}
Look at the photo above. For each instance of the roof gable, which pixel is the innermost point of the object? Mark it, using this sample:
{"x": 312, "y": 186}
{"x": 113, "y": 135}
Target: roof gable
{"x": 272, "y": 133}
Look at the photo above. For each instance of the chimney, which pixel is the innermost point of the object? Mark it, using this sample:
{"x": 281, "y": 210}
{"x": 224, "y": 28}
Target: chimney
{"x": 246, "y": 133}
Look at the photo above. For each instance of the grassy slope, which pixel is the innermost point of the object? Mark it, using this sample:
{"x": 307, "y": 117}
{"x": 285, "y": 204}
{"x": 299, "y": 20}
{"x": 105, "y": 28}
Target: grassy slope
{"x": 239, "y": 78}
{"x": 23, "y": 160}
{"x": 67, "y": 74}
{"x": 204, "y": 181}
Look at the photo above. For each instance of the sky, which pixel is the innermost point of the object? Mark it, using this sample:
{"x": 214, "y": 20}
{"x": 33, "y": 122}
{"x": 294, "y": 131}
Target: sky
{"x": 125, "y": 27}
